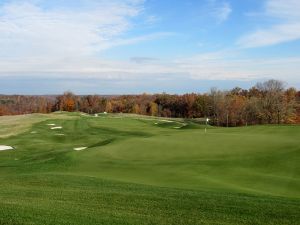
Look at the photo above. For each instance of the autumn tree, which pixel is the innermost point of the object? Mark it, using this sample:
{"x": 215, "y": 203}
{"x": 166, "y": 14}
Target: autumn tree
{"x": 108, "y": 107}
{"x": 66, "y": 102}
{"x": 266, "y": 102}
{"x": 136, "y": 109}
{"x": 153, "y": 109}
{"x": 272, "y": 100}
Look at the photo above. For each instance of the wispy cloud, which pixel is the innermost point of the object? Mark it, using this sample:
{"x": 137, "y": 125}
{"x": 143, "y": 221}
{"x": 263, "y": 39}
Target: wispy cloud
{"x": 148, "y": 37}
{"x": 70, "y": 42}
{"x": 231, "y": 65}
{"x": 28, "y": 29}
{"x": 221, "y": 11}
{"x": 286, "y": 28}
{"x": 143, "y": 59}
{"x": 34, "y": 36}
{"x": 221, "y": 65}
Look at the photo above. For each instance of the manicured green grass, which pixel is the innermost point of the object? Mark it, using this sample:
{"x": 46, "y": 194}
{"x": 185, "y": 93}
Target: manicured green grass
{"x": 143, "y": 170}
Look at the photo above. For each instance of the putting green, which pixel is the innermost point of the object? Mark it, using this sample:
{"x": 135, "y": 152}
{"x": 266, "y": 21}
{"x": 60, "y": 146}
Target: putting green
{"x": 144, "y": 170}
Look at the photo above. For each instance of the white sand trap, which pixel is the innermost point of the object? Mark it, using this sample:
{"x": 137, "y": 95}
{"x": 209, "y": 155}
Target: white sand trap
{"x": 80, "y": 148}
{"x": 5, "y": 148}
{"x": 96, "y": 115}
{"x": 51, "y": 124}
{"x": 176, "y": 127}
{"x": 56, "y": 128}
{"x": 167, "y": 121}
{"x": 155, "y": 123}
{"x": 33, "y": 132}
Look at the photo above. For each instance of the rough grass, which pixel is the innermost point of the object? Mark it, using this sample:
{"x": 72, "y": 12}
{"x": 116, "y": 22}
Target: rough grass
{"x": 138, "y": 172}
{"x": 13, "y": 125}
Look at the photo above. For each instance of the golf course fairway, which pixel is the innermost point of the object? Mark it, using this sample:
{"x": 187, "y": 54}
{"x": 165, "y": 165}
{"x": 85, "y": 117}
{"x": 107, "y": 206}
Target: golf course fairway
{"x": 73, "y": 168}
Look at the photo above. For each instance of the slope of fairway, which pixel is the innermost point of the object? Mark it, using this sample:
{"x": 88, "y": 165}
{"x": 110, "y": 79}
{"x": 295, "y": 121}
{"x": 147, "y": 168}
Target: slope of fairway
{"x": 13, "y": 125}
{"x": 143, "y": 170}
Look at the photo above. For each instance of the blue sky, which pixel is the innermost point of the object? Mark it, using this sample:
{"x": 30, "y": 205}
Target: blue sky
{"x": 135, "y": 46}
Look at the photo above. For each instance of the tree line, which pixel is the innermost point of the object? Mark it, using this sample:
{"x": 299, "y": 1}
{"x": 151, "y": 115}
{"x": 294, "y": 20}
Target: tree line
{"x": 269, "y": 102}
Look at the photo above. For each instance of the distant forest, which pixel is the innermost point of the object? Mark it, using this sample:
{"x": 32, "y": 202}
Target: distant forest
{"x": 268, "y": 102}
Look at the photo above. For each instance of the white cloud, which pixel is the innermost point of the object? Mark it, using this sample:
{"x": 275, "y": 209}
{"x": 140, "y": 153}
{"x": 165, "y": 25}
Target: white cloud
{"x": 221, "y": 11}
{"x": 287, "y": 9}
{"x": 222, "y": 65}
{"x": 29, "y": 30}
{"x": 232, "y": 66}
{"x": 288, "y": 29}
{"x": 152, "y": 19}
{"x": 39, "y": 35}
{"x": 65, "y": 42}
{"x": 149, "y": 37}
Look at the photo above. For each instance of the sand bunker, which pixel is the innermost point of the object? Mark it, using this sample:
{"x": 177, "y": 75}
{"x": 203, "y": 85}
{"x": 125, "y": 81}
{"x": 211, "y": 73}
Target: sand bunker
{"x": 167, "y": 121}
{"x": 5, "y": 148}
{"x": 80, "y": 148}
{"x": 33, "y": 132}
{"x": 176, "y": 127}
{"x": 56, "y": 128}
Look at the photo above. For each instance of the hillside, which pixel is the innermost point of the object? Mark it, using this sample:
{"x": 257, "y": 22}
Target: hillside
{"x": 72, "y": 168}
